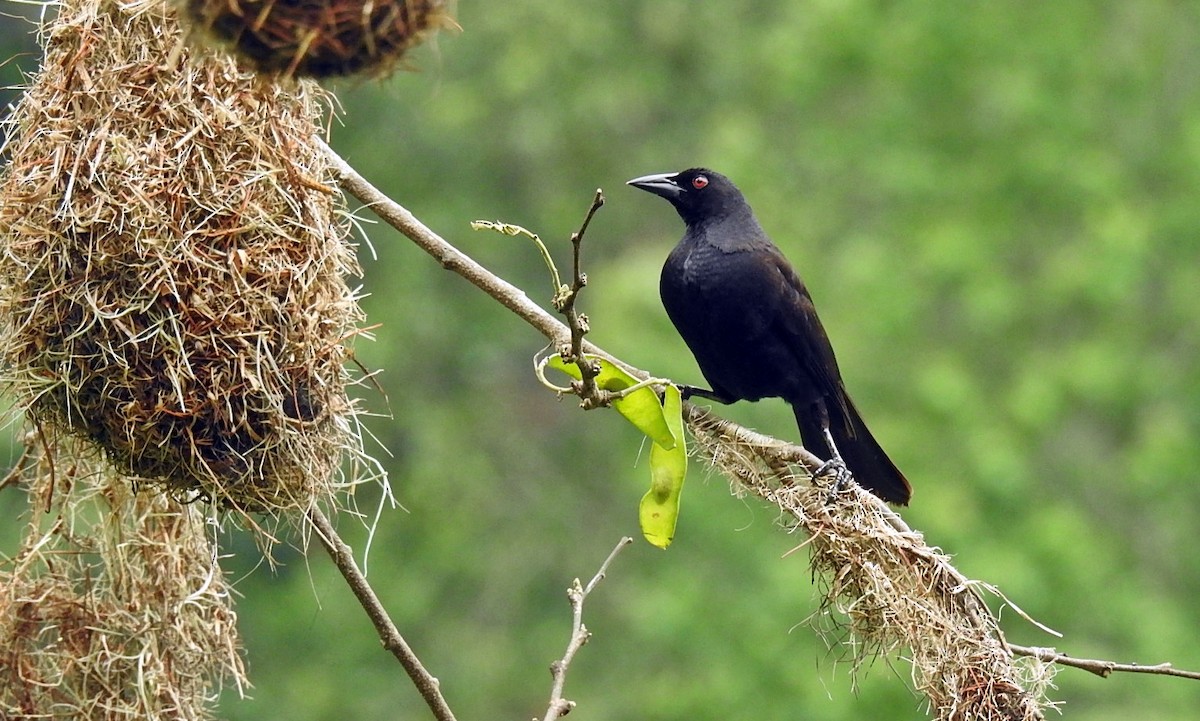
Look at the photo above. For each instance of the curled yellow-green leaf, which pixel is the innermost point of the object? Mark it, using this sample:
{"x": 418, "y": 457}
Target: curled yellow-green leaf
{"x": 659, "y": 509}
{"x": 662, "y": 421}
{"x": 641, "y": 407}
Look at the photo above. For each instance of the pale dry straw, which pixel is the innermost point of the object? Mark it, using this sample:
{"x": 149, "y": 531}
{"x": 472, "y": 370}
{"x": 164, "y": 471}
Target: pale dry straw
{"x": 173, "y": 258}
{"x": 114, "y": 608}
{"x": 885, "y": 592}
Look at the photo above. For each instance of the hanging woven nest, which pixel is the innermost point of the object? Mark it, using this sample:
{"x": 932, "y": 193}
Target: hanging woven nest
{"x": 172, "y": 264}
{"x": 114, "y": 607}
{"x": 320, "y": 38}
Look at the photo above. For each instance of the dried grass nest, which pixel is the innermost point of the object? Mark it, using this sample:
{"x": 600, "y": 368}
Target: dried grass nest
{"x": 319, "y": 38}
{"x": 114, "y": 608}
{"x": 173, "y": 261}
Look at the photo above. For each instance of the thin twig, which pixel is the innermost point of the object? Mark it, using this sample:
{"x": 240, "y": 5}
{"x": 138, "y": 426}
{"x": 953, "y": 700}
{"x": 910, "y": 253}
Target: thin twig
{"x": 576, "y": 321}
{"x": 580, "y": 279}
{"x": 1101, "y": 668}
{"x": 577, "y": 594}
{"x": 343, "y": 557}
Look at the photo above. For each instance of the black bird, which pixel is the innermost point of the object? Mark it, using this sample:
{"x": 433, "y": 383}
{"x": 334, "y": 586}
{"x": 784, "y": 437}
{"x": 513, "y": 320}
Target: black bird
{"x": 750, "y": 322}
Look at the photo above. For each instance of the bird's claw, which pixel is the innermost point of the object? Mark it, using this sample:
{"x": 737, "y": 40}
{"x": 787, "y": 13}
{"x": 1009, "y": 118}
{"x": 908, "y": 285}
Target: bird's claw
{"x": 836, "y": 469}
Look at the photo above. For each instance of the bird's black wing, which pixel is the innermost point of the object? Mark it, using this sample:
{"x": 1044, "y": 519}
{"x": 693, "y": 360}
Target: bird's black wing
{"x": 863, "y": 455}
{"x": 799, "y": 323}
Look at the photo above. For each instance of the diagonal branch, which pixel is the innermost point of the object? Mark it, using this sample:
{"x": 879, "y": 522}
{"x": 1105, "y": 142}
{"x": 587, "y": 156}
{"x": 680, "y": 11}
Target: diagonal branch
{"x": 343, "y": 557}
{"x": 450, "y": 258}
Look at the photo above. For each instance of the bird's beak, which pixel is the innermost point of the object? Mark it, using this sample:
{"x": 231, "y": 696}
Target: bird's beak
{"x": 660, "y": 184}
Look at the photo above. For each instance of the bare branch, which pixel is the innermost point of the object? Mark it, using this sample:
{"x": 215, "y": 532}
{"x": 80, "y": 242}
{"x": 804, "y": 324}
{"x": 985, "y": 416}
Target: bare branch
{"x": 1104, "y": 669}
{"x": 580, "y": 279}
{"x": 577, "y": 594}
{"x": 343, "y": 558}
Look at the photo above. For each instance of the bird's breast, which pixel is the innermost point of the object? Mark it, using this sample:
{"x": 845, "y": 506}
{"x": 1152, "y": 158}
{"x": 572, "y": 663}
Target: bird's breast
{"x": 717, "y": 298}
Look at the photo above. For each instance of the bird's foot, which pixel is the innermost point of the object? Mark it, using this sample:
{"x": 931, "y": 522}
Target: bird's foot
{"x": 836, "y": 469}
{"x": 686, "y": 392}
{"x": 835, "y": 466}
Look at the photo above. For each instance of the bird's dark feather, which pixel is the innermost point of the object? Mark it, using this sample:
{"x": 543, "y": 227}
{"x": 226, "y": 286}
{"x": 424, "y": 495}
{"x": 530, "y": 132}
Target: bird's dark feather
{"x": 751, "y": 324}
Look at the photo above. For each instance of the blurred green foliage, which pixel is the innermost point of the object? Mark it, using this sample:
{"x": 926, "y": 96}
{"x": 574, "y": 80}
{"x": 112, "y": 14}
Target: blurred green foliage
{"x": 994, "y": 205}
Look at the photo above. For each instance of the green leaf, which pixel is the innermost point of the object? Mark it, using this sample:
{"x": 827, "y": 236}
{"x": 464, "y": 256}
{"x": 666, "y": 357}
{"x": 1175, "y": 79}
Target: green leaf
{"x": 641, "y": 408}
{"x": 663, "y": 423}
{"x": 659, "y": 509}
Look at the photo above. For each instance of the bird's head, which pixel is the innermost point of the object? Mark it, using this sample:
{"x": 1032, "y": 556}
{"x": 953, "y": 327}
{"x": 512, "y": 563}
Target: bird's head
{"x": 698, "y": 194}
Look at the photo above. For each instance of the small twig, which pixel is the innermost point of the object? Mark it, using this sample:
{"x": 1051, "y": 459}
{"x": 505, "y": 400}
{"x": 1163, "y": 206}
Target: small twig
{"x": 577, "y": 594}
{"x": 580, "y": 279}
{"x": 343, "y": 557}
{"x": 1102, "y": 669}
{"x": 564, "y": 299}
{"x": 576, "y": 321}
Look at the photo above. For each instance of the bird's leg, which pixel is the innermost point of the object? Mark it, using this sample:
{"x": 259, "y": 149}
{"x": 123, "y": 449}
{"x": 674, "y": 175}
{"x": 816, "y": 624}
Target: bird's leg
{"x": 689, "y": 391}
{"x": 835, "y": 465}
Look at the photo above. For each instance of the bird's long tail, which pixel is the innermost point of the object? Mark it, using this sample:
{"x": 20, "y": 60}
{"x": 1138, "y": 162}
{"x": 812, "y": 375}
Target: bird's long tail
{"x": 862, "y": 454}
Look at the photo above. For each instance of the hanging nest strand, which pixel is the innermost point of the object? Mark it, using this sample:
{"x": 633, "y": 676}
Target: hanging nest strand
{"x": 319, "y": 38}
{"x": 114, "y": 608}
{"x": 885, "y": 592}
{"x": 173, "y": 264}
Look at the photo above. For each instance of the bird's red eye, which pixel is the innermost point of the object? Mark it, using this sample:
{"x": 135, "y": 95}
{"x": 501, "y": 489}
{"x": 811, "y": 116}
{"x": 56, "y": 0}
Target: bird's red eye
{"x": 699, "y": 182}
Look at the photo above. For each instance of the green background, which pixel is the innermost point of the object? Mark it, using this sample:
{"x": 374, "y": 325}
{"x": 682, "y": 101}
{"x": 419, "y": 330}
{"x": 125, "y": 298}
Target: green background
{"x": 995, "y": 208}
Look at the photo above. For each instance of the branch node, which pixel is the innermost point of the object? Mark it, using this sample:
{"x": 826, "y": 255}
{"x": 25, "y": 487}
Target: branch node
{"x": 577, "y": 593}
